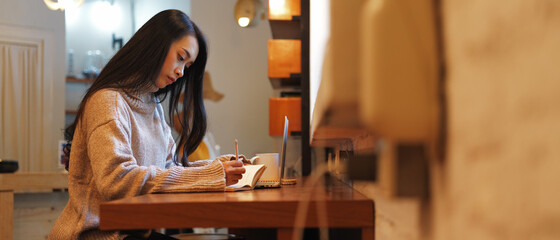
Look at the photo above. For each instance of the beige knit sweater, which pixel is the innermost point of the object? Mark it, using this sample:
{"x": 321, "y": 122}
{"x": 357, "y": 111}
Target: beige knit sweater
{"x": 122, "y": 147}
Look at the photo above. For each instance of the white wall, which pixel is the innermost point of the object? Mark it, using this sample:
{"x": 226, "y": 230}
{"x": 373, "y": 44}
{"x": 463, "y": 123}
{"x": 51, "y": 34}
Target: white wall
{"x": 34, "y": 14}
{"x": 145, "y": 9}
{"x": 85, "y": 32}
{"x": 238, "y": 65}
{"x": 319, "y": 34}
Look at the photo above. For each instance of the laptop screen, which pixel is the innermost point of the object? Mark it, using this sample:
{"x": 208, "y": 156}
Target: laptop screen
{"x": 284, "y": 145}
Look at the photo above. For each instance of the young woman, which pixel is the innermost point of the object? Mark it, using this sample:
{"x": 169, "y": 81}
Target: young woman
{"x": 121, "y": 145}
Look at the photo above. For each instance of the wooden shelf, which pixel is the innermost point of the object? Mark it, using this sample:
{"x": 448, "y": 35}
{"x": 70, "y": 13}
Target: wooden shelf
{"x": 76, "y": 80}
{"x": 330, "y": 136}
{"x": 73, "y": 112}
{"x": 286, "y": 29}
{"x": 79, "y": 80}
{"x": 284, "y": 62}
{"x": 284, "y": 57}
{"x": 285, "y": 20}
{"x": 280, "y": 107}
{"x": 293, "y": 81}
{"x": 289, "y": 10}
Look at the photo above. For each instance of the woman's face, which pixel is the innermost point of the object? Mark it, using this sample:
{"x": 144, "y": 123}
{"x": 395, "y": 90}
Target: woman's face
{"x": 181, "y": 55}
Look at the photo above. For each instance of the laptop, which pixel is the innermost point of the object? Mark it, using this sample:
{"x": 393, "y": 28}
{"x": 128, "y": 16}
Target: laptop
{"x": 273, "y": 184}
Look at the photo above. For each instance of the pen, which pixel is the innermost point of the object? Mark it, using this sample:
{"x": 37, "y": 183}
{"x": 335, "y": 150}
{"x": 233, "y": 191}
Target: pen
{"x": 236, "y": 150}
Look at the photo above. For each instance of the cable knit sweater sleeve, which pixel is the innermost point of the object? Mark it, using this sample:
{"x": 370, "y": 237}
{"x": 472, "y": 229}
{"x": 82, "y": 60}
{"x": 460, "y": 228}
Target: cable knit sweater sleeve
{"x": 117, "y": 173}
{"x": 121, "y": 159}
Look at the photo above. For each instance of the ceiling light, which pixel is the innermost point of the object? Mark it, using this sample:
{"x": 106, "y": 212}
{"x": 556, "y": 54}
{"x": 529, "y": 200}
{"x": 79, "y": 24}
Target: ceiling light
{"x": 62, "y": 4}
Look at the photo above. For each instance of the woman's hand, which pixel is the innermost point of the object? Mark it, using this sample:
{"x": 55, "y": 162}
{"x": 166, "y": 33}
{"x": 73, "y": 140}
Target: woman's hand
{"x": 230, "y": 157}
{"x": 233, "y": 169}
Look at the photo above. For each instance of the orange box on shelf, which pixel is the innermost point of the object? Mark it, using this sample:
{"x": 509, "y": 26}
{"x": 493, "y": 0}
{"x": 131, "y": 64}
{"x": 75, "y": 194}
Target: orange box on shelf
{"x": 278, "y": 107}
{"x": 283, "y": 9}
{"x": 284, "y": 57}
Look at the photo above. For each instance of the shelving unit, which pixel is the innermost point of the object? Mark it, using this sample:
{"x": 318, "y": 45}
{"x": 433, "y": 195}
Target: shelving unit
{"x": 285, "y": 49}
{"x": 288, "y": 59}
{"x": 79, "y": 80}
{"x": 74, "y": 80}
{"x": 71, "y": 112}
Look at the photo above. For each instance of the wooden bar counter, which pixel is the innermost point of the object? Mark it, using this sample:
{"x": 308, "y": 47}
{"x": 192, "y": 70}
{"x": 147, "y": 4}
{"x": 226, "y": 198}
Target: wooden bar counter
{"x": 28, "y": 182}
{"x": 259, "y": 208}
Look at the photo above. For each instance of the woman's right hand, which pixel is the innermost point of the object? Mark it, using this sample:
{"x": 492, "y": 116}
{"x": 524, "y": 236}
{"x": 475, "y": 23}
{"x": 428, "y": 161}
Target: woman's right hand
{"x": 234, "y": 170}
{"x": 231, "y": 157}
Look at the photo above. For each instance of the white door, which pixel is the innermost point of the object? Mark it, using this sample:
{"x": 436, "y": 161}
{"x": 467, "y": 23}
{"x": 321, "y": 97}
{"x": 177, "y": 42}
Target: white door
{"x": 26, "y": 96}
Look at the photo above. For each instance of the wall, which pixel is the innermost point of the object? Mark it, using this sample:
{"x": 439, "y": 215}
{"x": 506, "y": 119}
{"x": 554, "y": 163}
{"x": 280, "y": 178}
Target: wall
{"x": 34, "y": 14}
{"x": 238, "y": 65}
{"x": 145, "y": 9}
{"x": 84, "y": 30}
{"x": 319, "y": 17}
{"x": 90, "y": 29}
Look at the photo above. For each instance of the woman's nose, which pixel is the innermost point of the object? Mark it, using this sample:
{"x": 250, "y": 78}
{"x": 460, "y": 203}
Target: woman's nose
{"x": 179, "y": 72}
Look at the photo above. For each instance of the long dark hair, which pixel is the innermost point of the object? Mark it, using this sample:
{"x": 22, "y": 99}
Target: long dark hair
{"x": 136, "y": 67}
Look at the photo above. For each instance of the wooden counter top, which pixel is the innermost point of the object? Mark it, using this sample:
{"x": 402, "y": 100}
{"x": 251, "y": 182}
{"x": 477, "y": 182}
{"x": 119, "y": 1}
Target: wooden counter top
{"x": 259, "y": 208}
{"x": 29, "y": 181}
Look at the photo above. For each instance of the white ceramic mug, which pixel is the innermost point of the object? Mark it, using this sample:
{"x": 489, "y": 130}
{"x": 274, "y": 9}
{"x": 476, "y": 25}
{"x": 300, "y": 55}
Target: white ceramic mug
{"x": 270, "y": 160}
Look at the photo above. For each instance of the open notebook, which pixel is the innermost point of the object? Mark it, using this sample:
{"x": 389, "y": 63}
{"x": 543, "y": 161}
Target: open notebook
{"x": 249, "y": 180}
